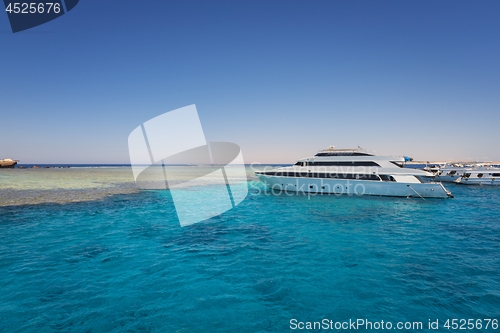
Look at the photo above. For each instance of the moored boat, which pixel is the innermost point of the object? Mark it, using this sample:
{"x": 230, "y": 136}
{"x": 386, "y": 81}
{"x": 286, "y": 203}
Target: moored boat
{"x": 353, "y": 172}
{"x": 480, "y": 177}
{"x": 8, "y": 163}
{"x": 461, "y": 174}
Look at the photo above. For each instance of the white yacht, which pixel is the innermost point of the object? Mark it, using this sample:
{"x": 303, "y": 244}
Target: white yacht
{"x": 481, "y": 176}
{"x": 445, "y": 172}
{"x": 482, "y": 173}
{"x": 353, "y": 172}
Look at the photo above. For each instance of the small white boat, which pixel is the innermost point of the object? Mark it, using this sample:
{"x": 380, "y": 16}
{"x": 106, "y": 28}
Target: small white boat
{"x": 353, "y": 172}
{"x": 480, "y": 177}
{"x": 8, "y": 163}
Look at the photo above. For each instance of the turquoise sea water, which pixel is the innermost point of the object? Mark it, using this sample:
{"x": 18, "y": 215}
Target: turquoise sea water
{"x": 123, "y": 263}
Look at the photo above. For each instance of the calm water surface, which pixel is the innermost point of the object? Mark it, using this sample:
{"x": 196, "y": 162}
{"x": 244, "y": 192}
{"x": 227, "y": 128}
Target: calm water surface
{"x": 122, "y": 262}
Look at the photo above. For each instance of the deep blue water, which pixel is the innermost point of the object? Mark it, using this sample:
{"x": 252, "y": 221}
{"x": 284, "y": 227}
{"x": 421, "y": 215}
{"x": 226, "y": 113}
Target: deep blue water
{"x": 124, "y": 264}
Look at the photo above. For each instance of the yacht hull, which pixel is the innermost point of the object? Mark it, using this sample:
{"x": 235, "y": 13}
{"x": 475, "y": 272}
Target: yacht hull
{"x": 440, "y": 179}
{"x": 446, "y": 179}
{"x": 478, "y": 181}
{"x": 355, "y": 187}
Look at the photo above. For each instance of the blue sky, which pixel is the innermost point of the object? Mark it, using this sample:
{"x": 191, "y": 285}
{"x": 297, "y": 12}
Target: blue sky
{"x": 282, "y": 79}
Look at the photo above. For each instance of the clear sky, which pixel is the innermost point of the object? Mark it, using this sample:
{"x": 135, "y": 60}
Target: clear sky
{"x": 283, "y": 79}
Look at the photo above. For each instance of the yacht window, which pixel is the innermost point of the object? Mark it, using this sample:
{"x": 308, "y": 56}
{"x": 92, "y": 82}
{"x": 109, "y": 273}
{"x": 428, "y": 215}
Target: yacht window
{"x": 419, "y": 179}
{"x": 387, "y": 178}
{"x": 321, "y": 175}
{"x": 496, "y": 175}
{"x": 368, "y": 177}
{"x": 479, "y": 175}
{"x": 467, "y": 175}
{"x": 330, "y": 163}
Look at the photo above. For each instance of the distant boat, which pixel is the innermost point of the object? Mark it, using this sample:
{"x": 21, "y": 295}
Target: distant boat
{"x": 448, "y": 173}
{"x": 473, "y": 174}
{"x": 7, "y": 163}
{"x": 480, "y": 177}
